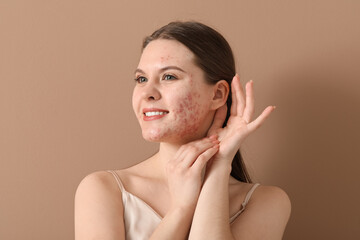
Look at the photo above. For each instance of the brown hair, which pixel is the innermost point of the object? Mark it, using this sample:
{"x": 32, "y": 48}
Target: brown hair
{"x": 214, "y": 56}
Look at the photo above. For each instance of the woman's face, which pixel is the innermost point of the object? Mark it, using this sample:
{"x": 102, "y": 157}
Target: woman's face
{"x": 171, "y": 99}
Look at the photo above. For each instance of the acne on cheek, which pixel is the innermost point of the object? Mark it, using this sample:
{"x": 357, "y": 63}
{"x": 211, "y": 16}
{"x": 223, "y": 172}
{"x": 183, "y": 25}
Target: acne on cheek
{"x": 188, "y": 115}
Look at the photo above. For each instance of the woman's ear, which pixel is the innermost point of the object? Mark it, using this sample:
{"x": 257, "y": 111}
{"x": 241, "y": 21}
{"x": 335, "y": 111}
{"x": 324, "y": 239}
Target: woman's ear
{"x": 221, "y": 93}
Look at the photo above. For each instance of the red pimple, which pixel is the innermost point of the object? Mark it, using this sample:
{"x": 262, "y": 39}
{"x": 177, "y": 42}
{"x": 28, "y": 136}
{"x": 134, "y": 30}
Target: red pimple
{"x": 187, "y": 115}
{"x": 163, "y": 59}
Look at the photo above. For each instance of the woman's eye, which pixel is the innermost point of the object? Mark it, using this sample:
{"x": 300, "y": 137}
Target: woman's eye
{"x": 169, "y": 77}
{"x": 140, "y": 79}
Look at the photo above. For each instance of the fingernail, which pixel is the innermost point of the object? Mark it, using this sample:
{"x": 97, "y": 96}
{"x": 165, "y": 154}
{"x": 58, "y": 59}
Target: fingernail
{"x": 274, "y": 107}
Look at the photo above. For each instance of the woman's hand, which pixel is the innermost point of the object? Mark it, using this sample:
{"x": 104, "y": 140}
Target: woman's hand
{"x": 240, "y": 123}
{"x": 185, "y": 171}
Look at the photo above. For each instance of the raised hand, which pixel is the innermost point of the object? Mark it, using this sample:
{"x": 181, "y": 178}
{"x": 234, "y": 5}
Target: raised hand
{"x": 240, "y": 123}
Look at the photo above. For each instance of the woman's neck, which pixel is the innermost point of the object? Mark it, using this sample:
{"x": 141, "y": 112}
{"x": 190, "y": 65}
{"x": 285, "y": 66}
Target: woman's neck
{"x": 159, "y": 161}
{"x": 167, "y": 151}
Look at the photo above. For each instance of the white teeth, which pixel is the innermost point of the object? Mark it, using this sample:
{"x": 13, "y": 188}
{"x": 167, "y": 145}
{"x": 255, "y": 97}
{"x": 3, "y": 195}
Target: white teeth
{"x": 148, "y": 114}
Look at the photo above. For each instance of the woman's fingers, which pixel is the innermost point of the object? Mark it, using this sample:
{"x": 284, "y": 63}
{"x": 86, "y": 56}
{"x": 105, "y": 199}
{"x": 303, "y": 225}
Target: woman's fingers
{"x": 195, "y": 149}
{"x": 219, "y": 119}
{"x": 233, "y": 109}
{"x": 260, "y": 119}
{"x": 238, "y": 97}
{"x": 249, "y": 107}
{"x": 183, "y": 150}
{"x": 203, "y": 158}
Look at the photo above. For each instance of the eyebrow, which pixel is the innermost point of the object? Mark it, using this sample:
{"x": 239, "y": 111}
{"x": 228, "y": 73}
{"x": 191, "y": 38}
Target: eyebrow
{"x": 162, "y": 69}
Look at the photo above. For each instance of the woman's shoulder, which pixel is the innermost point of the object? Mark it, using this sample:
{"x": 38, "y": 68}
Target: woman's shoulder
{"x": 99, "y": 183}
{"x": 272, "y": 197}
{"x": 261, "y": 196}
{"x": 266, "y": 213}
{"x": 104, "y": 185}
{"x": 274, "y": 193}
{"x": 98, "y": 206}
{"x": 106, "y": 179}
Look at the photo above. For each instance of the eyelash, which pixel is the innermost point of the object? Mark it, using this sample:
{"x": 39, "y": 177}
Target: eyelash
{"x": 139, "y": 78}
{"x": 169, "y": 75}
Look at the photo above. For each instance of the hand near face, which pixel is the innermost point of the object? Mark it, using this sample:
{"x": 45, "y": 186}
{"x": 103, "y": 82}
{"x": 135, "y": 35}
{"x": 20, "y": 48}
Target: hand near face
{"x": 184, "y": 171}
{"x": 240, "y": 123}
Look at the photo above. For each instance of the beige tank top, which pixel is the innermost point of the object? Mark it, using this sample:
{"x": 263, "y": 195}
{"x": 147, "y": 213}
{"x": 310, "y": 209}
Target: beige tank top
{"x": 141, "y": 220}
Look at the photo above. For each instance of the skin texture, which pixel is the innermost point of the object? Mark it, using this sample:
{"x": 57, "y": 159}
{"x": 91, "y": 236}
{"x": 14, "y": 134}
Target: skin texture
{"x": 186, "y": 96}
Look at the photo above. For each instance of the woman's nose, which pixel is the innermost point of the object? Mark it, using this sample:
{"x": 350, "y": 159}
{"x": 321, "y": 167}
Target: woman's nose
{"x": 151, "y": 92}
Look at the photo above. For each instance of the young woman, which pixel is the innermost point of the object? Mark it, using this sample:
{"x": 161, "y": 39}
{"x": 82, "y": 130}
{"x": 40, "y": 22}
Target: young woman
{"x": 188, "y": 98}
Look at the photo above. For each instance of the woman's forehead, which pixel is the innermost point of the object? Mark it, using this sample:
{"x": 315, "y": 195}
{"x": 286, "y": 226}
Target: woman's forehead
{"x": 163, "y": 51}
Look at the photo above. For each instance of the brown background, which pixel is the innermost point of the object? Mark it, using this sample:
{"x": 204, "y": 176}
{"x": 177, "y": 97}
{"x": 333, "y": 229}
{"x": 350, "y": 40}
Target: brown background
{"x": 66, "y": 79}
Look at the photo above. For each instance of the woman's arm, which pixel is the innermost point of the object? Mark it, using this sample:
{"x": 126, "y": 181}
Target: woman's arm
{"x": 184, "y": 182}
{"x": 98, "y": 208}
{"x": 175, "y": 225}
{"x": 265, "y": 216}
{"x": 211, "y": 218}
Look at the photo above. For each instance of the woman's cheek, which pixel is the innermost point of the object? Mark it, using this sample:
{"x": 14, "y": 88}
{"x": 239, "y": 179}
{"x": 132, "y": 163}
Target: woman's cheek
{"x": 188, "y": 115}
{"x": 186, "y": 118}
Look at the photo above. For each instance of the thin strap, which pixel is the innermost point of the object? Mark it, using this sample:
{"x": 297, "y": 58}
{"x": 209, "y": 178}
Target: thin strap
{"x": 116, "y": 176}
{"x": 248, "y": 195}
{"x": 243, "y": 205}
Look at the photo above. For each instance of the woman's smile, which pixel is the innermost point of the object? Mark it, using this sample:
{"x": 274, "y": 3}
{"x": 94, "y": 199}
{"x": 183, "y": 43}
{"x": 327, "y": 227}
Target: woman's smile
{"x": 171, "y": 98}
{"x": 153, "y": 114}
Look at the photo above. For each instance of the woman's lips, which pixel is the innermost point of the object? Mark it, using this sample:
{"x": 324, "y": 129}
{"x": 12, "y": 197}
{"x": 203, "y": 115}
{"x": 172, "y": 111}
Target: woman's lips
{"x": 154, "y": 113}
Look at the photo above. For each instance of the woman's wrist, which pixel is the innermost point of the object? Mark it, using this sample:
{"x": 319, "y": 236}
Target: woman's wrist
{"x": 218, "y": 169}
{"x": 182, "y": 212}
{"x": 175, "y": 225}
{"x": 222, "y": 165}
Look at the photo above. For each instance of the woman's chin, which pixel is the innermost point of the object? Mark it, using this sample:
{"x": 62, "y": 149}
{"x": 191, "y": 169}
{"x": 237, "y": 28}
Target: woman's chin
{"x": 154, "y": 136}
{"x": 151, "y": 139}
{"x": 167, "y": 137}
{"x": 170, "y": 138}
